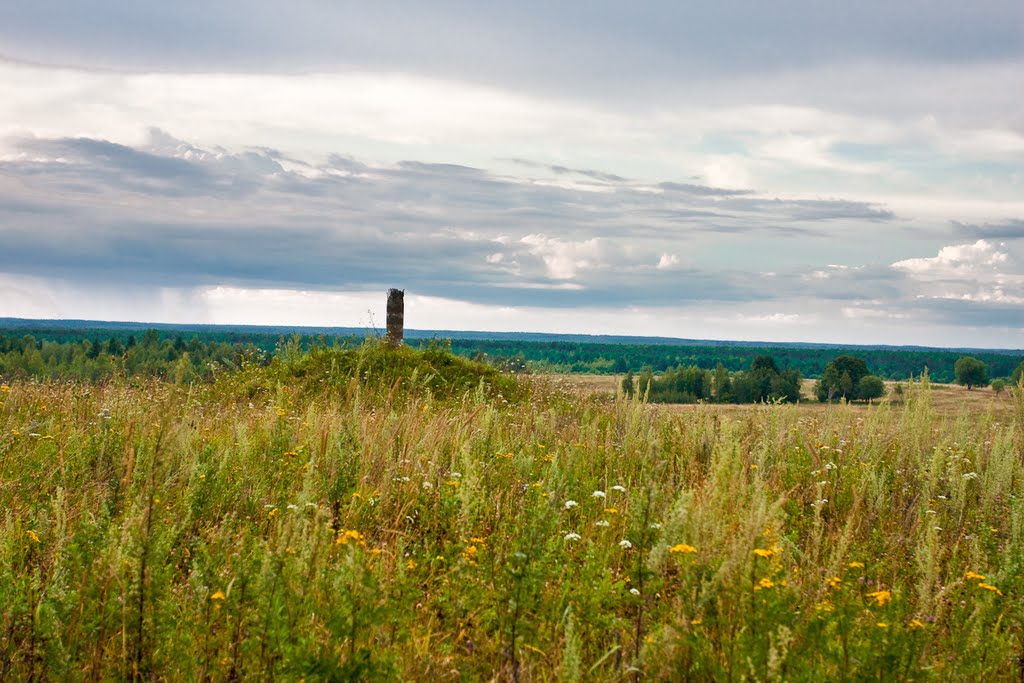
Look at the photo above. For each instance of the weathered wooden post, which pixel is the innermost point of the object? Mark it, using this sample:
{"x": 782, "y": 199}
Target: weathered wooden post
{"x": 396, "y": 317}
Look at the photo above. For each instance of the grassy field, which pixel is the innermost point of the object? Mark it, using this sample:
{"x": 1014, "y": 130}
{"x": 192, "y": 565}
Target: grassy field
{"x": 323, "y": 519}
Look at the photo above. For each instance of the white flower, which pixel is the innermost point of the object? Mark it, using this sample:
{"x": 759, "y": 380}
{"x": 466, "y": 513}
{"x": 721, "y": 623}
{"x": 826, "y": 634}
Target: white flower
{"x": 598, "y": 494}
{"x": 427, "y": 485}
{"x": 634, "y": 591}
{"x": 656, "y": 525}
{"x": 601, "y": 522}
{"x": 293, "y": 506}
{"x": 570, "y": 504}
{"x": 971, "y": 475}
{"x": 456, "y": 475}
{"x": 619, "y": 488}
{"x": 572, "y": 536}
{"x": 625, "y": 543}
{"x": 830, "y": 466}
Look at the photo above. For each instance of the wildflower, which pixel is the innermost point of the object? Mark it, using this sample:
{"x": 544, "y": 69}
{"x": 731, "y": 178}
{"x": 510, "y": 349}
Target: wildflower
{"x": 598, "y": 494}
{"x": 696, "y": 621}
{"x": 456, "y": 475}
{"x": 634, "y": 591}
{"x": 469, "y": 554}
{"x": 453, "y": 483}
{"x": 32, "y": 535}
{"x": 375, "y": 551}
{"x": 619, "y": 488}
{"x": 411, "y": 564}
{"x": 350, "y": 535}
{"x": 970, "y": 475}
{"x": 612, "y": 511}
{"x": 916, "y": 623}
{"x": 479, "y": 540}
{"x": 625, "y": 544}
{"x": 764, "y": 583}
{"x": 572, "y": 536}
{"x": 882, "y": 624}
{"x": 570, "y": 504}
{"x": 833, "y": 582}
{"x": 974, "y": 576}
{"x": 602, "y": 522}
{"x": 655, "y": 526}
{"x": 682, "y": 548}
{"x": 856, "y": 565}
{"x": 764, "y": 552}
{"x": 825, "y": 606}
{"x": 990, "y": 587}
{"x": 219, "y": 595}
{"x": 536, "y": 484}
{"x": 881, "y": 597}
{"x": 4, "y": 387}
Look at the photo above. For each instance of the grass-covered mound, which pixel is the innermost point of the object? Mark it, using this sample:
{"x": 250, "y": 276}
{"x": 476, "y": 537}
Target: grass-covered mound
{"x": 374, "y": 370}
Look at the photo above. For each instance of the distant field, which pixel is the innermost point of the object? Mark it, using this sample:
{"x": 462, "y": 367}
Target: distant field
{"x": 945, "y": 398}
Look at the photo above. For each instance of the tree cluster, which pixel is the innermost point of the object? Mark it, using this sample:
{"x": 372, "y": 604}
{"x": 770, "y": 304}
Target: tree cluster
{"x": 848, "y": 378}
{"x": 763, "y": 382}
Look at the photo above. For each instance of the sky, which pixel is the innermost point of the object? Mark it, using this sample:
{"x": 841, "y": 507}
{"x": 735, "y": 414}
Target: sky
{"x": 742, "y": 170}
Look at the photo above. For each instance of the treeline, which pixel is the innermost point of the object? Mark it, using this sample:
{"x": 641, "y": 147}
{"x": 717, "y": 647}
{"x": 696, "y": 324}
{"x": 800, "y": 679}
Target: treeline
{"x": 763, "y": 382}
{"x": 151, "y": 354}
{"x": 571, "y": 357}
{"x": 102, "y": 349}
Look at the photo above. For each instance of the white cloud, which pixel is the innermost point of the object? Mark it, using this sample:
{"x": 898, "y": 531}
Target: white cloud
{"x": 667, "y": 261}
{"x": 958, "y": 261}
{"x": 563, "y": 259}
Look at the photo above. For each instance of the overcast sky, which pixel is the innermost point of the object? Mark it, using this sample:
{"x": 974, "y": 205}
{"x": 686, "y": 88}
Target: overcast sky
{"x": 786, "y": 171}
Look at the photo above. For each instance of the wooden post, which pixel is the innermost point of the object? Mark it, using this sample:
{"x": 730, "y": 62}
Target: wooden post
{"x": 396, "y": 317}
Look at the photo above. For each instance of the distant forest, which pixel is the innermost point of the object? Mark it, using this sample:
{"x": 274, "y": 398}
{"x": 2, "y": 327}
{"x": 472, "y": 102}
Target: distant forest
{"x": 89, "y": 354}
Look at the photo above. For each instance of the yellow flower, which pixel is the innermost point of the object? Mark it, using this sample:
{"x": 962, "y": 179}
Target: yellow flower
{"x": 881, "y": 597}
{"x": 753, "y": 466}
{"x": 764, "y": 583}
{"x": 469, "y": 554}
{"x": 856, "y": 565}
{"x": 612, "y": 511}
{"x": 350, "y": 535}
{"x": 990, "y": 587}
{"x": 697, "y": 621}
{"x": 825, "y": 606}
{"x": 217, "y": 596}
{"x": 4, "y": 387}
{"x": 682, "y": 548}
{"x": 411, "y": 564}
{"x": 375, "y": 551}
{"x": 764, "y": 552}
{"x": 478, "y": 539}
{"x": 916, "y": 623}
{"x": 974, "y": 576}
{"x": 882, "y": 624}
{"x": 833, "y": 582}
{"x": 32, "y": 535}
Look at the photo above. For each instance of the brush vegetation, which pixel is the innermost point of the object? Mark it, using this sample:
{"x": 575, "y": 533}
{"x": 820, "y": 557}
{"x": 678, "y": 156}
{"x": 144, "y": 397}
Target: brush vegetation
{"x": 371, "y": 514}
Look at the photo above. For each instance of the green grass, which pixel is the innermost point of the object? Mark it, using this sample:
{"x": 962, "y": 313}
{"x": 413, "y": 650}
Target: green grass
{"x": 379, "y": 515}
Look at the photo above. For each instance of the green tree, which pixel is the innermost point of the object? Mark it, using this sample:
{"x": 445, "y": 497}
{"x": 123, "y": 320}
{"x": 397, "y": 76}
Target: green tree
{"x": 870, "y": 387}
{"x": 971, "y": 372}
{"x": 1017, "y": 375}
{"x": 998, "y": 385}
{"x": 627, "y": 385}
{"x": 841, "y": 378}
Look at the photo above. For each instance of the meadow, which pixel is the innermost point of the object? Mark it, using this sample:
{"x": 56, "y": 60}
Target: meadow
{"x": 377, "y": 514}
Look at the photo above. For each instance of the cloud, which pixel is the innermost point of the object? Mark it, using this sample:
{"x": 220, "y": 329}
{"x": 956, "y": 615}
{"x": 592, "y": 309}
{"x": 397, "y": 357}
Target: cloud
{"x": 959, "y": 261}
{"x": 1007, "y": 230}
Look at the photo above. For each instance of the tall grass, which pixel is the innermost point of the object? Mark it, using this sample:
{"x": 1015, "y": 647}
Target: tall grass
{"x": 349, "y": 524}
